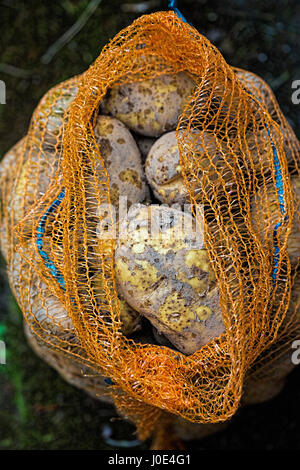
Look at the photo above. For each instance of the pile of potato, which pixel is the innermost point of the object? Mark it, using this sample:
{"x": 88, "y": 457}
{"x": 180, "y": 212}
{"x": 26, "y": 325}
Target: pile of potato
{"x": 166, "y": 284}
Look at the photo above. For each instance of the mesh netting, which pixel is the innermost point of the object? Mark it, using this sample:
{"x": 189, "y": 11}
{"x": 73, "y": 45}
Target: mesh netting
{"x": 49, "y": 234}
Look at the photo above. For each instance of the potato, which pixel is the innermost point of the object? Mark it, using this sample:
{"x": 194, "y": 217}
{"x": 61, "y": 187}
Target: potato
{"x": 26, "y": 173}
{"x": 49, "y": 115}
{"x": 130, "y": 319}
{"x": 122, "y": 160}
{"x": 260, "y": 143}
{"x": 76, "y": 373}
{"x": 150, "y": 107}
{"x": 34, "y": 179}
{"x": 163, "y": 169}
{"x": 35, "y": 297}
{"x": 259, "y": 391}
{"x": 258, "y": 88}
{"x": 167, "y": 276}
{"x": 44, "y": 305}
{"x": 266, "y": 214}
{"x": 186, "y": 430}
{"x": 8, "y": 168}
{"x": 262, "y": 388}
{"x": 294, "y": 306}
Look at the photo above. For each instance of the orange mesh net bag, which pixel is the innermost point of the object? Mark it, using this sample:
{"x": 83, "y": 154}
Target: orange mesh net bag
{"x": 238, "y": 160}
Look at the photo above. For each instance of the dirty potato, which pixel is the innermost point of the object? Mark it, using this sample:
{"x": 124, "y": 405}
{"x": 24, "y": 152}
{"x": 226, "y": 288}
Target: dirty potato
{"x": 265, "y": 387}
{"x": 122, "y": 160}
{"x": 266, "y": 214}
{"x": 259, "y": 146}
{"x": 164, "y": 171}
{"x": 77, "y": 373}
{"x": 8, "y": 169}
{"x": 129, "y": 318}
{"x": 258, "y": 88}
{"x": 150, "y": 107}
{"x": 35, "y": 174}
{"x": 49, "y": 117}
{"x": 40, "y": 303}
{"x": 164, "y": 273}
{"x": 259, "y": 142}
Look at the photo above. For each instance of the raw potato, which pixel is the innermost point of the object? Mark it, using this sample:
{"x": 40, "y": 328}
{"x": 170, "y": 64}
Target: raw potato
{"x": 259, "y": 390}
{"x": 163, "y": 169}
{"x": 130, "y": 319}
{"x": 25, "y": 175}
{"x": 258, "y": 88}
{"x": 39, "y": 162}
{"x": 186, "y": 430}
{"x": 266, "y": 214}
{"x": 8, "y": 167}
{"x": 78, "y": 374}
{"x": 122, "y": 160}
{"x": 46, "y": 308}
{"x": 36, "y": 174}
{"x": 294, "y": 307}
{"x": 261, "y": 150}
{"x": 35, "y": 298}
{"x": 259, "y": 145}
{"x": 150, "y": 107}
{"x": 167, "y": 276}
{"x": 49, "y": 116}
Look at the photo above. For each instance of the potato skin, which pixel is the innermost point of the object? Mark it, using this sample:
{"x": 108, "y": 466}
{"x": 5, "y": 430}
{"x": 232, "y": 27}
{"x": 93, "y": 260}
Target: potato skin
{"x": 150, "y": 107}
{"x": 36, "y": 174}
{"x": 186, "y": 430}
{"x": 49, "y": 116}
{"x": 266, "y": 214}
{"x": 78, "y": 374}
{"x": 257, "y": 87}
{"x": 26, "y": 172}
{"x": 260, "y": 389}
{"x": 35, "y": 298}
{"x": 122, "y": 160}
{"x": 129, "y": 318}
{"x": 168, "y": 279}
{"x": 259, "y": 142}
{"x": 164, "y": 171}
{"x": 46, "y": 308}
{"x": 260, "y": 147}
{"x": 8, "y": 169}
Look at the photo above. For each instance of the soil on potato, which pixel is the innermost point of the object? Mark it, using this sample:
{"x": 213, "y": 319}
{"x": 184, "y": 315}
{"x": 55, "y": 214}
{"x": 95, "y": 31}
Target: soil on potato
{"x": 38, "y": 410}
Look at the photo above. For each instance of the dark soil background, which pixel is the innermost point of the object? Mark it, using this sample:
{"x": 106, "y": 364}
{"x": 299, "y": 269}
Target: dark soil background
{"x": 38, "y": 410}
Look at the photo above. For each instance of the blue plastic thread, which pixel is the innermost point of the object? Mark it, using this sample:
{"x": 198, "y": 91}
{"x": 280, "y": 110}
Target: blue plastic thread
{"x": 40, "y": 242}
{"x": 280, "y": 194}
{"x": 172, "y": 4}
{"x": 108, "y": 381}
